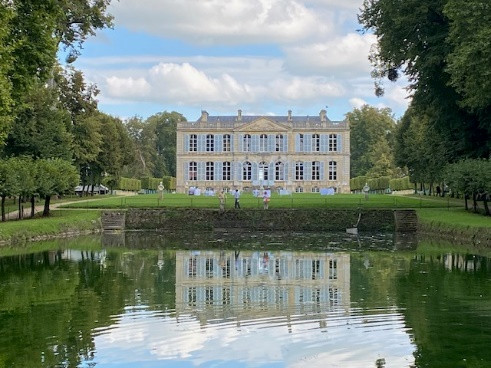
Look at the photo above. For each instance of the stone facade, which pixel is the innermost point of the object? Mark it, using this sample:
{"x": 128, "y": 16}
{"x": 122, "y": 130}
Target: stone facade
{"x": 292, "y": 153}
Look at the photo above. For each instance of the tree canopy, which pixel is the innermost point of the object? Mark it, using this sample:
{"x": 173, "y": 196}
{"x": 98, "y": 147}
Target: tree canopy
{"x": 443, "y": 48}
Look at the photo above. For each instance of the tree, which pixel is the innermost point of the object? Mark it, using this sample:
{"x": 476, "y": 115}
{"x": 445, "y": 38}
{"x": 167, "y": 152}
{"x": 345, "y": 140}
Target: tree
{"x": 6, "y": 13}
{"x": 370, "y": 128}
{"x": 417, "y": 38}
{"x": 54, "y": 176}
{"x": 25, "y": 168}
{"x": 143, "y": 137}
{"x": 41, "y": 127}
{"x": 9, "y": 184}
{"x": 472, "y": 178}
{"x": 420, "y": 149}
{"x": 470, "y": 56}
{"x": 31, "y": 32}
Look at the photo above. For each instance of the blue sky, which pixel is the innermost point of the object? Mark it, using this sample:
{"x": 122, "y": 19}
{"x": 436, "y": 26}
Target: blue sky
{"x": 264, "y": 57}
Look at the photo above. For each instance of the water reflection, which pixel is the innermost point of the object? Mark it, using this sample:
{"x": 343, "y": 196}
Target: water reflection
{"x": 249, "y": 306}
{"x": 265, "y": 283}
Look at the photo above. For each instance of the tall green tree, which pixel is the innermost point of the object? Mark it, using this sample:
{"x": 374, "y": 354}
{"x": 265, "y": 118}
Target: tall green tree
{"x": 143, "y": 137}
{"x": 419, "y": 38}
{"x": 372, "y": 132}
{"x": 54, "y": 176}
{"x": 31, "y": 33}
{"x": 41, "y": 127}
{"x": 165, "y": 124}
{"x": 6, "y": 13}
{"x": 9, "y": 183}
{"x": 420, "y": 148}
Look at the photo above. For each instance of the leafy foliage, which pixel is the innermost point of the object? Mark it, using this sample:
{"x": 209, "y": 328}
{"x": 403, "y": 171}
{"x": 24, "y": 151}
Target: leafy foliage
{"x": 371, "y": 141}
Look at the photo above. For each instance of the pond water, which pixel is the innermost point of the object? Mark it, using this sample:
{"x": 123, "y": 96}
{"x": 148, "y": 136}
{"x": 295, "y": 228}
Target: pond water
{"x": 148, "y": 300}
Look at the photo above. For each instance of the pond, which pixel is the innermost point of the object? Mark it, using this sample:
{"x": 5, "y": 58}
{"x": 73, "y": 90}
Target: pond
{"x": 302, "y": 300}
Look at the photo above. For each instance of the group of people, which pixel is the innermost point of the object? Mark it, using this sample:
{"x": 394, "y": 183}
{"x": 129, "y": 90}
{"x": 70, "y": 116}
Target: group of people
{"x": 236, "y": 193}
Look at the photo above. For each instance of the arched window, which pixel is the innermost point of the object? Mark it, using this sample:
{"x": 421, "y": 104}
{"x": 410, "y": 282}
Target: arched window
{"x": 263, "y": 171}
{"x": 247, "y": 171}
{"x": 279, "y": 170}
{"x": 247, "y": 143}
{"x": 263, "y": 143}
{"x": 193, "y": 171}
{"x": 226, "y": 143}
{"x": 210, "y": 143}
{"x": 279, "y": 143}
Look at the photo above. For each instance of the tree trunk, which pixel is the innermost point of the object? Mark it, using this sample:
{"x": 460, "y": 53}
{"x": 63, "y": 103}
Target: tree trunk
{"x": 486, "y": 207}
{"x": 46, "y": 206}
{"x": 465, "y": 200}
{"x": 3, "y": 208}
{"x": 21, "y": 209}
{"x": 33, "y": 205}
{"x": 474, "y": 201}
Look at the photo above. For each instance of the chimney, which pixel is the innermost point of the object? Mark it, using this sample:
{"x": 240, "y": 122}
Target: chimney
{"x": 323, "y": 115}
{"x": 239, "y": 115}
{"x": 289, "y": 115}
{"x": 204, "y": 115}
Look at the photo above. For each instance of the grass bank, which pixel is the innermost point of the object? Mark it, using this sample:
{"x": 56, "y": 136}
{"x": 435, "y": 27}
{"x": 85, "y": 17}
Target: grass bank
{"x": 296, "y": 200}
{"x": 60, "y": 222}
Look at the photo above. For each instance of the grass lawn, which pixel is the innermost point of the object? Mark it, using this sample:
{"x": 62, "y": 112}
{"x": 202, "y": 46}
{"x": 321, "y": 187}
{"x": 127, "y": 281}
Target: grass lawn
{"x": 12, "y": 205}
{"x": 453, "y": 217}
{"x": 60, "y": 221}
{"x": 297, "y": 200}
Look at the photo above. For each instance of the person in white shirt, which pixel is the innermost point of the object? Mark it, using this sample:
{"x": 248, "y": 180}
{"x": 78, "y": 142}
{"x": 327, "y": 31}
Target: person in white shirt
{"x": 237, "y": 196}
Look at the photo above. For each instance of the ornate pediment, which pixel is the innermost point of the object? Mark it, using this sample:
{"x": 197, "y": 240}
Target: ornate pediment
{"x": 262, "y": 125}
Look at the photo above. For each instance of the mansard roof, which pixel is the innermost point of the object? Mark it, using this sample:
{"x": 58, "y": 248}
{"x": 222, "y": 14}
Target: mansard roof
{"x": 244, "y": 119}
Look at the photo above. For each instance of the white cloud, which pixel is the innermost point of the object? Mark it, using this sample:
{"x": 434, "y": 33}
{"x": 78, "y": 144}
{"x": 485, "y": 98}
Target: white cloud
{"x": 357, "y": 103}
{"x": 221, "y": 21}
{"x": 347, "y": 55}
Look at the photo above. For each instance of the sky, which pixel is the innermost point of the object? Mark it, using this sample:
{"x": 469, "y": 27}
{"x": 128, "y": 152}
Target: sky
{"x": 264, "y": 57}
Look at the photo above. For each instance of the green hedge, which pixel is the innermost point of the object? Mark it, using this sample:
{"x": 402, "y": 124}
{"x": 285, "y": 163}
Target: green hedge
{"x": 169, "y": 182}
{"x": 401, "y": 184}
{"x": 150, "y": 183}
{"x": 381, "y": 183}
{"x": 358, "y": 183}
{"x": 129, "y": 184}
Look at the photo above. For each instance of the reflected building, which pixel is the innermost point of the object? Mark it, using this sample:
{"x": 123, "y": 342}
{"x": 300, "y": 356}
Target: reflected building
{"x": 249, "y": 284}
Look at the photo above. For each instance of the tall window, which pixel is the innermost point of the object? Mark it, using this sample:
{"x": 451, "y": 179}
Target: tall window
{"x": 247, "y": 171}
{"x": 210, "y": 143}
{"x": 226, "y": 143}
{"x": 193, "y": 143}
{"x": 263, "y": 171}
{"x": 210, "y": 171}
{"x": 247, "y": 143}
{"x": 300, "y": 143}
{"x": 193, "y": 171}
{"x": 316, "y": 170}
{"x": 333, "y": 174}
{"x": 279, "y": 170}
{"x": 316, "y": 143}
{"x": 226, "y": 171}
{"x": 299, "y": 170}
{"x": 279, "y": 143}
{"x": 263, "y": 143}
{"x": 333, "y": 142}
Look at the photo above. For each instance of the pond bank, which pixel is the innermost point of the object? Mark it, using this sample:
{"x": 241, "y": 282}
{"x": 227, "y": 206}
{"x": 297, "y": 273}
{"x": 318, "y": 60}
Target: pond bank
{"x": 320, "y": 219}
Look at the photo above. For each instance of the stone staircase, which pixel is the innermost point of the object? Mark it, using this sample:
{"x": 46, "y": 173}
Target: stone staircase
{"x": 406, "y": 221}
{"x": 112, "y": 220}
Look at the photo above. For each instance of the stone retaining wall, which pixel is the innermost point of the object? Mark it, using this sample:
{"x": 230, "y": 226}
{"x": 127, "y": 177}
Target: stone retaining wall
{"x": 259, "y": 220}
